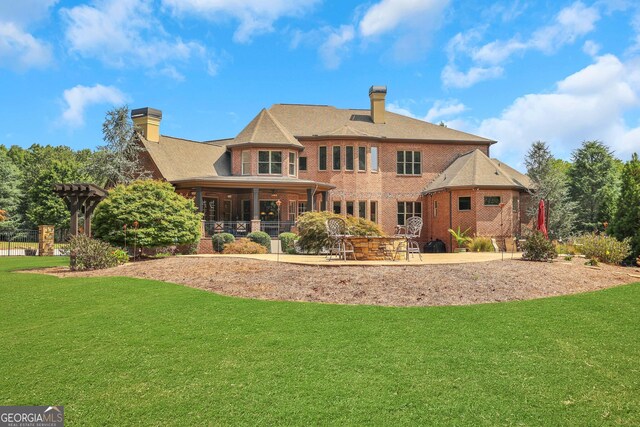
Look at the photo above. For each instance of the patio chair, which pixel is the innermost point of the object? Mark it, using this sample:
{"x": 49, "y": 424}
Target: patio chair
{"x": 410, "y": 232}
{"x": 338, "y": 239}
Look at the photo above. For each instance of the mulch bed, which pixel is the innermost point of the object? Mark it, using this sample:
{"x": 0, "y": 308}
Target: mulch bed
{"x": 427, "y": 285}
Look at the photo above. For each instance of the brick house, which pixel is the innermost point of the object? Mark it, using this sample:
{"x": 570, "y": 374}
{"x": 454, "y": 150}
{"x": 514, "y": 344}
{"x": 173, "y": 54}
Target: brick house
{"x": 371, "y": 163}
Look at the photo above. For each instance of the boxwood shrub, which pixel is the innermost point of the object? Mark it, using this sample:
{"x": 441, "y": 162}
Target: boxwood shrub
{"x": 288, "y": 241}
{"x": 221, "y": 239}
{"x": 261, "y": 238}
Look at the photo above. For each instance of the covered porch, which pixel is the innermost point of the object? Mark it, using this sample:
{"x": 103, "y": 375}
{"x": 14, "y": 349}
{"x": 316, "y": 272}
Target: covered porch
{"x": 241, "y": 205}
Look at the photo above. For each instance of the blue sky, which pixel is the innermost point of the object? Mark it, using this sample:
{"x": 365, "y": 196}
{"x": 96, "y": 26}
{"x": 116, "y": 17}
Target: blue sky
{"x": 514, "y": 71}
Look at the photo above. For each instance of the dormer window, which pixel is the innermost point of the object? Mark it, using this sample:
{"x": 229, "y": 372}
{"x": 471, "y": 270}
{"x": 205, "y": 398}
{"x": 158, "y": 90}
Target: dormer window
{"x": 270, "y": 162}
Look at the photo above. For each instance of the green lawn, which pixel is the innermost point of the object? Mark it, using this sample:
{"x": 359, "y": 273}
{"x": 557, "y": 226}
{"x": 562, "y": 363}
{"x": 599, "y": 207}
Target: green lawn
{"x": 120, "y": 351}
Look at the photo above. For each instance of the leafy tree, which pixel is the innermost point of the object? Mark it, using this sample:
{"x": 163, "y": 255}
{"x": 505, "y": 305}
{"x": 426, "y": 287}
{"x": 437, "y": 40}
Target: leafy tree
{"x": 164, "y": 217}
{"x": 627, "y": 220}
{"x": 9, "y": 192}
{"x": 40, "y": 168}
{"x": 593, "y": 185}
{"x": 118, "y": 162}
{"x": 550, "y": 179}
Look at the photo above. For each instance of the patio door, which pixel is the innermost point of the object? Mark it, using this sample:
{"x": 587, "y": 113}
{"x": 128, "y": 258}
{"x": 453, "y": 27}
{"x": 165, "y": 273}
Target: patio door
{"x": 227, "y": 212}
{"x": 246, "y": 210}
{"x": 268, "y": 210}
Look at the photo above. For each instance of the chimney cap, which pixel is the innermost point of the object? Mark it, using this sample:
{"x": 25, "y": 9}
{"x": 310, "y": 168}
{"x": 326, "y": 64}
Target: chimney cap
{"x": 146, "y": 112}
{"x": 377, "y": 89}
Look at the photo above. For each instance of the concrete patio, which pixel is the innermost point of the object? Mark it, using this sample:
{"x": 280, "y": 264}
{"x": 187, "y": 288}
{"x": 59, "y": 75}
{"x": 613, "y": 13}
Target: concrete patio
{"x": 427, "y": 259}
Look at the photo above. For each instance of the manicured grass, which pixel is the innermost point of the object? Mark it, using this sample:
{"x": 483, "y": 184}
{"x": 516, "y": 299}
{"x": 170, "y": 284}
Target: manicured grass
{"x": 120, "y": 351}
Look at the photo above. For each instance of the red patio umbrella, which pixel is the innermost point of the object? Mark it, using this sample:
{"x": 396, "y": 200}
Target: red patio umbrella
{"x": 541, "y": 222}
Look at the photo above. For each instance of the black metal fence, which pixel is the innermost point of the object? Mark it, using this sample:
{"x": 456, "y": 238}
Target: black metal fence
{"x": 242, "y": 228}
{"x": 274, "y": 228}
{"x": 19, "y": 242}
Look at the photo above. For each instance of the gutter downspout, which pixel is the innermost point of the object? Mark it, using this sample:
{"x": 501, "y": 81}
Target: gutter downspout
{"x": 450, "y": 220}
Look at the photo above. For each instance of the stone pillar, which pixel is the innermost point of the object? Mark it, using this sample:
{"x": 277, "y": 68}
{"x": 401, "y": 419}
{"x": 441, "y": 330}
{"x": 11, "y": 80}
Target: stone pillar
{"x": 45, "y": 240}
{"x": 255, "y": 210}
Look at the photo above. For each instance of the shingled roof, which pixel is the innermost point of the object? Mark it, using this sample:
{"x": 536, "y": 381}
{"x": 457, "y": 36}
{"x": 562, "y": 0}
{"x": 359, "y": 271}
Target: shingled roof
{"x": 306, "y": 121}
{"x": 181, "y": 158}
{"x": 475, "y": 169}
{"x": 264, "y": 129}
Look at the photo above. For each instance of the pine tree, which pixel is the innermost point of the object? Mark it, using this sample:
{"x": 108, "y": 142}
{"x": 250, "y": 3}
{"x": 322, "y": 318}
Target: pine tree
{"x": 627, "y": 219}
{"x": 593, "y": 185}
{"x": 118, "y": 161}
{"x": 551, "y": 185}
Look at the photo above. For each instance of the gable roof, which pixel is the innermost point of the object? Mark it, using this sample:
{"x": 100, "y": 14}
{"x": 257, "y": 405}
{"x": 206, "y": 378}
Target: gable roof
{"x": 308, "y": 121}
{"x": 178, "y": 158}
{"x": 265, "y": 129}
{"x": 475, "y": 169}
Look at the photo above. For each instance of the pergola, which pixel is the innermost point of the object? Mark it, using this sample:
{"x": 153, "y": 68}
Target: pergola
{"x": 80, "y": 198}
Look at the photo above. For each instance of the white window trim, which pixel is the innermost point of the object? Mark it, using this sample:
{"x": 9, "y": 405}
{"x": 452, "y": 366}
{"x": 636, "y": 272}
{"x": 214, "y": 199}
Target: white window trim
{"x": 294, "y": 164}
{"x": 270, "y": 163}
{"x": 243, "y": 163}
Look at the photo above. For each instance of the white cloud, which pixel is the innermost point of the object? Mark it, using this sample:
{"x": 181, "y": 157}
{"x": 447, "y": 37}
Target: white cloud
{"x": 411, "y": 21}
{"x": 452, "y": 77}
{"x": 19, "y": 50}
{"x": 335, "y": 46}
{"x": 589, "y": 104}
{"x": 80, "y": 97}
{"x": 569, "y": 24}
{"x": 591, "y": 48}
{"x": 445, "y": 108}
{"x": 124, "y": 32}
{"x": 439, "y": 110}
{"x": 255, "y": 16}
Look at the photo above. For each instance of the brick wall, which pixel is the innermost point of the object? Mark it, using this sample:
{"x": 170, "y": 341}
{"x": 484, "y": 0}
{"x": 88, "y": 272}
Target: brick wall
{"x": 385, "y": 186}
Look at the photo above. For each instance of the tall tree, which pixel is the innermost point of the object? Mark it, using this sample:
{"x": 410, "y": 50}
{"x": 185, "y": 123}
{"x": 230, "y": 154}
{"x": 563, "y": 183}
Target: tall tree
{"x": 593, "y": 185}
{"x": 10, "y": 193}
{"x": 118, "y": 161}
{"x": 551, "y": 185}
{"x": 627, "y": 219}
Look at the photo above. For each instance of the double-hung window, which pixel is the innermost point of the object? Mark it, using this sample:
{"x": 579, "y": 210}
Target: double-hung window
{"x": 322, "y": 158}
{"x": 270, "y": 162}
{"x": 409, "y": 163}
{"x": 348, "y": 158}
{"x": 337, "y": 161}
{"x": 362, "y": 159}
{"x": 374, "y": 159}
{"x": 292, "y": 164}
{"x": 408, "y": 209}
{"x": 246, "y": 163}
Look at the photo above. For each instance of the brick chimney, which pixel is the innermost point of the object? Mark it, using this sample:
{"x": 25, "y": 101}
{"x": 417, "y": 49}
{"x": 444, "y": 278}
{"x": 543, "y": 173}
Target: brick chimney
{"x": 377, "y": 95}
{"x": 147, "y": 120}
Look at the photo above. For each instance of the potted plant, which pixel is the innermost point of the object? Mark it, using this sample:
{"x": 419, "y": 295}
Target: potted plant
{"x": 462, "y": 240}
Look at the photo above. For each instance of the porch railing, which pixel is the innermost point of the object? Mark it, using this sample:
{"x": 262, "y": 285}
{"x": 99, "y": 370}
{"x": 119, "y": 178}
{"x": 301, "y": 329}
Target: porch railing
{"x": 274, "y": 228}
{"x": 237, "y": 228}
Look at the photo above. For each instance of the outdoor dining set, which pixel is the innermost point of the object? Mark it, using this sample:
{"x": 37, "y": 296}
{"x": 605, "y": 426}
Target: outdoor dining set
{"x": 370, "y": 248}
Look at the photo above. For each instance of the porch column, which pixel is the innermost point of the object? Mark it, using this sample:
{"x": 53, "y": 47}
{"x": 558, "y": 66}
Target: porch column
{"x": 199, "y": 199}
{"x": 323, "y": 203}
{"x": 255, "y": 210}
{"x": 73, "y": 207}
{"x": 311, "y": 200}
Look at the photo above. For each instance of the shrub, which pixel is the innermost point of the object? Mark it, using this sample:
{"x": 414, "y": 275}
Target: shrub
{"x": 261, "y": 238}
{"x": 219, "y": 240}
{"x": 244, "y": 246}
{"x": 461, "y": 238}
{"x": 565, "y": 249}
{"x": 604, "y": 248}
{"x": 288, "y": 241}
{"x": 163, "y": 216}
{"x": 313, "y": 230}
{"x": 481, "y": 244}
{"x": 538, "y": 248}
{"x": 92, "y": 254}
